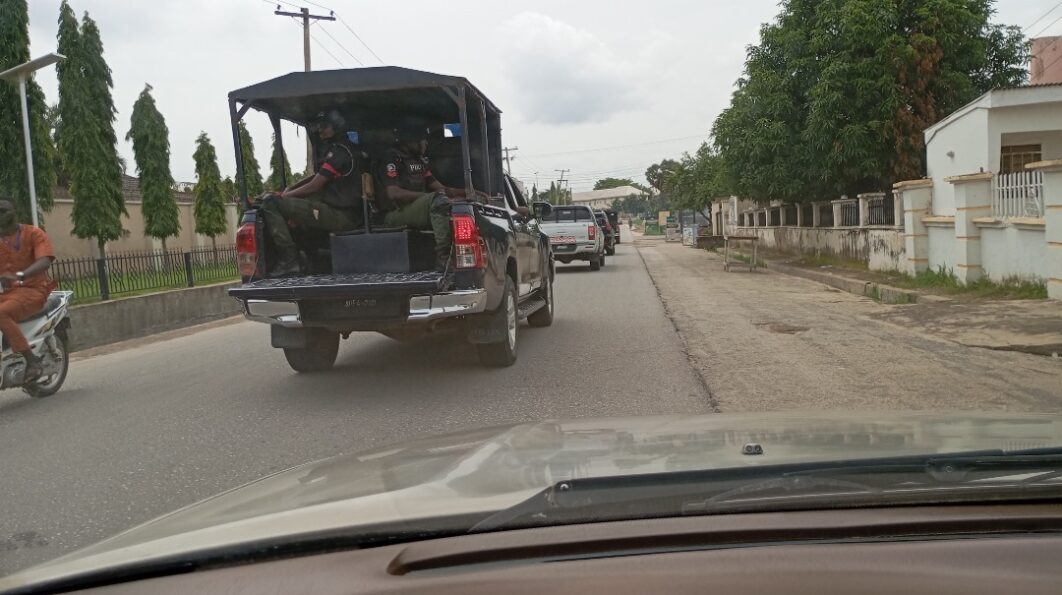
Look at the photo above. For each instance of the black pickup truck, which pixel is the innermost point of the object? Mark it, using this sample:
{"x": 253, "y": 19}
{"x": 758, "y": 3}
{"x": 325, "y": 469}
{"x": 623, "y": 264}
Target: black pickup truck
{"x": 383, "y": 280}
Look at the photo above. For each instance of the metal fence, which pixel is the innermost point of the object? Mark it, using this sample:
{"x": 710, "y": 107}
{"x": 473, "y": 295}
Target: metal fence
{"x": 134, "y": 272}
{"x": 880, "y": 211}
{"x": 807, "y": 215}
{"x": 849, "y": 213}
{"x": 825, "y": 215}
{"x": 1019, "y": 194}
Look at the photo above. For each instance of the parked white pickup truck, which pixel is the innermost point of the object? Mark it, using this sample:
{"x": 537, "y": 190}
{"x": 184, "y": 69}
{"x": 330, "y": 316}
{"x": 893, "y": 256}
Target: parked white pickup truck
{"x": 575, "y": 235}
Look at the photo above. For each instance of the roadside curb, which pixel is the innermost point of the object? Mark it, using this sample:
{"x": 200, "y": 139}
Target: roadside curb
{"x": 885, "y": 294}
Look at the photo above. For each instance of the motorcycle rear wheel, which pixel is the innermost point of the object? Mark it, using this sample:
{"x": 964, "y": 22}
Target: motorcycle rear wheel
{"x": 47, "y": 386}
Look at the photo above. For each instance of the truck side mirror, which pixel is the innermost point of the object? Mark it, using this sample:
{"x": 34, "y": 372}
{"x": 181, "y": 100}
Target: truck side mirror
{"x": 541, "y": 209}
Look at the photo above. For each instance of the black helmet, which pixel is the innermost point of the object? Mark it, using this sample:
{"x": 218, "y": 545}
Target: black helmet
{"x": 410, "y": 133}
{"x": 332, "y": 118}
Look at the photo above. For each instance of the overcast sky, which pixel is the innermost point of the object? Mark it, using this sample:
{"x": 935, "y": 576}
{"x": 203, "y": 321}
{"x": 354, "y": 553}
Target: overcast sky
{"x": 600, "y": 88}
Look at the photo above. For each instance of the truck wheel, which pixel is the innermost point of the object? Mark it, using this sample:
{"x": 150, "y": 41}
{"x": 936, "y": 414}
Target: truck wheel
{"x": 503, "y": 353}
{"x": 49, "y": 385}
{"x": 544, "y": 315}
{"x": 611, "y": 251}
{"x": 320, "y": 352}
{"x": 595, "y": 262}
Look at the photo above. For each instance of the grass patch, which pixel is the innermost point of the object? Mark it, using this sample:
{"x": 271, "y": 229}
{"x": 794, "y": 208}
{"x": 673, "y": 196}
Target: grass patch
{"x": 944, "y": 281}
{"x": 827, "y": 260}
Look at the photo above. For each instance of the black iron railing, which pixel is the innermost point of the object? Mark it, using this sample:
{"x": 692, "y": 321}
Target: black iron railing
{"x": 140, "y": 271}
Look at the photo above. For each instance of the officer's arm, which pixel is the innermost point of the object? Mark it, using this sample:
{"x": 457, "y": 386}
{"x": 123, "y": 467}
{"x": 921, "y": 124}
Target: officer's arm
{"x": 301, "y": 182}
{"x": 315, "y": 185}
{"x": 39, "y": 266}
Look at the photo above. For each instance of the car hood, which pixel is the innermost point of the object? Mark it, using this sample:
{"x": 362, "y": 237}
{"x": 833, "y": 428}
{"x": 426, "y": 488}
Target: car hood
{"x": 490, "y": 469}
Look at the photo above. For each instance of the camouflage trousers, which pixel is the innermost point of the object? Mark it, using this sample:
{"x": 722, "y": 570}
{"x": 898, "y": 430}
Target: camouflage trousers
{"x": 430, "y": 211}
{"x": 307, "y": 213}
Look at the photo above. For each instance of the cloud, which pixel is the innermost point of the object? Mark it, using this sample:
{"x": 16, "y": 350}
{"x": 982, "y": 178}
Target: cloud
{"x": 565, "y": 75}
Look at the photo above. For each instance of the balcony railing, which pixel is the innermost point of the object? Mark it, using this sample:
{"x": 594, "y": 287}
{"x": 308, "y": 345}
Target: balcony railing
{"x": 1018, "y": 194}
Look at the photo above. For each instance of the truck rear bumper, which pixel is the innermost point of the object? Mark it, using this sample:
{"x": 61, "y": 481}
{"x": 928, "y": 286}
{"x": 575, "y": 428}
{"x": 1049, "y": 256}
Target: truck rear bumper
{"x": 422, "y": 308}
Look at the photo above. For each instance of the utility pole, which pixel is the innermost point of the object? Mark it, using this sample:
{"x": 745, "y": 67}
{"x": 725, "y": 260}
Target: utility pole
{"x": 560, "y": 184}
{"x": 508, "y": 169}
{"x": 304, "y": 14}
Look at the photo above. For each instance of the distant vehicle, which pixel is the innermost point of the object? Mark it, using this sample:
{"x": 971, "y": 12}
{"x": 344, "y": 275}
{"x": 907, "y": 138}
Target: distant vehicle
{"x": 575, "y": 235}
{"x": 613, "y": 218}
{"x": 610, "y": 232}
{"x": 501, "y": 271}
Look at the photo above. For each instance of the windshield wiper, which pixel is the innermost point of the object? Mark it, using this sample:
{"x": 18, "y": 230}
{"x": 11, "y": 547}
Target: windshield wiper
{"x": 967, "y": 476}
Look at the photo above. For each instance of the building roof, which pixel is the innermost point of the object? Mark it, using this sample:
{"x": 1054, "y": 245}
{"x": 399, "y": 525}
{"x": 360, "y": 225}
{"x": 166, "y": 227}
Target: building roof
{"x": 620, "y": 192}
{"x": 1003, "y": 97}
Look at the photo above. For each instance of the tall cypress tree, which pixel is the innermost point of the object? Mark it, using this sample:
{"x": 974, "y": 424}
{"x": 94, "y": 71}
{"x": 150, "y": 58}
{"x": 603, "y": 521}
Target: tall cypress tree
{"x": 250, "y": 163}
{"x": 87, "y": 139}
{"x": 274, "y": 181}
{"x": 151, "y": 150}
{"x": 14, "y": 50}
{"x": 209, "y": 202}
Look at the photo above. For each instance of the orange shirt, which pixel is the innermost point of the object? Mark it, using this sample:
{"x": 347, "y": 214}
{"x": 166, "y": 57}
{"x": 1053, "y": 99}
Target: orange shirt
{"x": 23, "y": 248}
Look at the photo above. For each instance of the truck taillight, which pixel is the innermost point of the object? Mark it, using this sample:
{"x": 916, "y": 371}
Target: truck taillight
{"x": 247, "y": 250}
{"x": 591, "y": 231}
{"x": 468, "y": 250}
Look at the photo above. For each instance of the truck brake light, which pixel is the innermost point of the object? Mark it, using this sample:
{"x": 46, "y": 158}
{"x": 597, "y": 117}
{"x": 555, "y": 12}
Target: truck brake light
{"x": 591, "y": 231}
{"x": 468, "y": 249}
{"x": 247, "y": 250}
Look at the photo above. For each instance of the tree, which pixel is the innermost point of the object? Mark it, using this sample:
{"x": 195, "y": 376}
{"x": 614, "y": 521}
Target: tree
{"x": 534, "y": 192}
{"x": 88, "y": 143}
{"x": 251, "y": 170}
{"x": 209, "y": 202}
{"x": 836, "y": 96}
{"x": 274, "y": 181}
{"x": 607, "y": 183}
{"x": 229, "y": 191}
{"x": 14, "y": 50}
{"x": 151, "y": 150}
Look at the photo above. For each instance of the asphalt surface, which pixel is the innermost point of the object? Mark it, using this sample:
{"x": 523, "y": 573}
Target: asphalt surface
{"x": 139, "y": 432}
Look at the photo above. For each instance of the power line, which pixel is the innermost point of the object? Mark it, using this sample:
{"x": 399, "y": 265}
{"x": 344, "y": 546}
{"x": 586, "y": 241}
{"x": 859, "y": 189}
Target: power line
{"x": 1052, "y": 9}
{"x": 1051, "y": 24}
{"x": 322, "y": 46}
{"x": 341, "y": 46}
{"x": 655, "y": 142}
{"x": 347, "y": 25}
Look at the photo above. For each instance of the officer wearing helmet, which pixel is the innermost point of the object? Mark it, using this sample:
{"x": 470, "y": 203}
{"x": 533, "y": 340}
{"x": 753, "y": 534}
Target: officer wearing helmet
{"x": 328, "y": 201}
{"x": 421, "y": 201}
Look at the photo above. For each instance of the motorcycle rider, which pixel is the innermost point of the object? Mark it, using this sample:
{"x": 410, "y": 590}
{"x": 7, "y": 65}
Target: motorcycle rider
{"x": 25, "y": 257}
{"x": 328, "y": 201}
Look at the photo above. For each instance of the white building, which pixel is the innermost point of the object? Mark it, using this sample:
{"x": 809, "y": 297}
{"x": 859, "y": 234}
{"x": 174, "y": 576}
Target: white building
{"x": 603, "y": 199}
{"x": 991, "y": 204}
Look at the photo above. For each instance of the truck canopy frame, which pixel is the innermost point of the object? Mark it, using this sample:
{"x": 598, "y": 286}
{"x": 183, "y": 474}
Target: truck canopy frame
{"x": 373, "y": 101}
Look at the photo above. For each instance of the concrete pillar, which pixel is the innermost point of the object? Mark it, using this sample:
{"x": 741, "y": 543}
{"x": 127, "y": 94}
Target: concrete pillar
{"x": 897, "y": 211}
{"x": 816, "y": 215}
{"x": 800, "y": 215}
{"x": 836, "y": 212}
{"x": 973, "y": 199}
{"x": 782, "y": 219}
{"x": 1052, "y": 223}
{"x": 914, "y": 198}
{"x": 864, "y": 206}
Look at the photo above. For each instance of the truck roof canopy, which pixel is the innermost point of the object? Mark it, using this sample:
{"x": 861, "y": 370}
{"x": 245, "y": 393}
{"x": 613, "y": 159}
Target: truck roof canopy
{"x": 381, "y": 91}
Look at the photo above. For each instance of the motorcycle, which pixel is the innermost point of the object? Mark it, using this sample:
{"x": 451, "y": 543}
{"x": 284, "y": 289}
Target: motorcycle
{"x": 48, "y": 334}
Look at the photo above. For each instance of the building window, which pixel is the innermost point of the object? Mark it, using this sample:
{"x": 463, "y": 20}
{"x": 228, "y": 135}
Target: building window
{"x": 1014, "y": 157}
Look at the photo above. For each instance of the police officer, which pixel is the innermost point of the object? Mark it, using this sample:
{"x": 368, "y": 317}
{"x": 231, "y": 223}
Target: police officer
{"x": 328, "y": 201}
{"x": 421, "y": 201}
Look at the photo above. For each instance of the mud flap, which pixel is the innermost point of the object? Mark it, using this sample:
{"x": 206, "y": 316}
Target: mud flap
{"x": 490, "y": 327}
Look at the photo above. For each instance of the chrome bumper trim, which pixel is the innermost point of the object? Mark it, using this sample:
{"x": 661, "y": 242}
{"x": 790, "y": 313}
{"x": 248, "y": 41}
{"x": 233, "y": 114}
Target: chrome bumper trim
{"x": 444, "y": 305}
{"x": 269, "y": 312}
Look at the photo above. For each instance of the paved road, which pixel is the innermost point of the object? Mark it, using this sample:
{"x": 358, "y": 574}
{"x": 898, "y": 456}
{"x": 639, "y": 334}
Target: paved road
{"x": 140, "y": 432}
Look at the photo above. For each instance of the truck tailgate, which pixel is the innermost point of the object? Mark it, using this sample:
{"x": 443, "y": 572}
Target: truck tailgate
{"x": 337, "y": 286}
{"x": 559, "y": 233}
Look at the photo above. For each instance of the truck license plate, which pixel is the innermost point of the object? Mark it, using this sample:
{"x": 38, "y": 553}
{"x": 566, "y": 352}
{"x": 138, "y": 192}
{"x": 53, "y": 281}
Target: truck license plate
{"x": 352, "y": 309}
{"x": 562, "y": 239}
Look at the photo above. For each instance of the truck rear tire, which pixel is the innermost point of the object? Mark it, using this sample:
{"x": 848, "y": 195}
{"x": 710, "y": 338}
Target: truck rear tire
{"x": 503, "y": 353}
{"x": 595, "y": 262}
{"x": 319, "y": 355}
{"x": 544, "y": 315}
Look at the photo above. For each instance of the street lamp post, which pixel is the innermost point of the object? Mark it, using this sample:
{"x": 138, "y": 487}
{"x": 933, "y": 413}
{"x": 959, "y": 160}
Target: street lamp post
{"x": 19, "y": 74}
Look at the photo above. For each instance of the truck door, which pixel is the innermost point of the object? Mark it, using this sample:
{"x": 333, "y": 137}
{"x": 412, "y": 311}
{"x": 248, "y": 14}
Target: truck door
{"x": 527, "y": 255}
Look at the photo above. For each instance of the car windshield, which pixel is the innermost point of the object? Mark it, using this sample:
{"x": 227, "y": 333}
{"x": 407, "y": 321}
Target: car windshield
{"x": 272, "y": 271}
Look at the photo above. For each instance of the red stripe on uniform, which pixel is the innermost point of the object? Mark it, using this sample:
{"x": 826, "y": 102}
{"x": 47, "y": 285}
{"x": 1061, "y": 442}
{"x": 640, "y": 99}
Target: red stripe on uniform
{"x": 427, "y": 173}
{"x": 334, "y": 171}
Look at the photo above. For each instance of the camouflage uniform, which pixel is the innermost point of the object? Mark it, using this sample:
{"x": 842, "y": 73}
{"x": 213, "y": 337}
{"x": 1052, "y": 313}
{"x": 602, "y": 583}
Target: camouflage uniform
{"x": 338, "y": 207}
{"x": 429, "y": 211}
